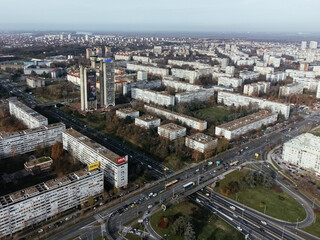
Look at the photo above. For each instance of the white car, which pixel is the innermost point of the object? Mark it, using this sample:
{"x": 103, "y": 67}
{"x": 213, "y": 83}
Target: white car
{"x": 232, "y": 208}
{"x": 263, "y": 222}
{"x": 239, "y": 228}
{"x": 150, "y": 206}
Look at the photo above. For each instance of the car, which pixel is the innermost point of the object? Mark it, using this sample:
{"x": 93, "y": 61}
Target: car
{"x": 239, "y": 228}
{"x": 198, "y": 200}
{"x": 235, "y": 215}
{"x": 154, "y": 195}
{"x": 264, "y": 222}
{"x": 232, "y": 208}
{"x": 244, "y": 222}
{"x": 150, "y": 206}
{"x": 261, "y": 229}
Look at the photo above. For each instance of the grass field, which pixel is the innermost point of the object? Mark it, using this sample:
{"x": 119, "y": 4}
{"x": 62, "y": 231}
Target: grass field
{"x": 314, "y": 229}
{"x": 205, "y": 224}
{"x": 213, "y": 114}
{"x": 278, "y": 204}
{"x": 131, "y": 236}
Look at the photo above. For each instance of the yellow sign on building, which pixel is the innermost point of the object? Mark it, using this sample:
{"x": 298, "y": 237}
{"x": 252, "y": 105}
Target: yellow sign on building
{"x": 94, "y": 166}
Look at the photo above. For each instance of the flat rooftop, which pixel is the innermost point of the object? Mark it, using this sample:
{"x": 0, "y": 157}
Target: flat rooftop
{"x": 241, "y": 122}
{"x": 127, "y": 110}
{"x": 37, "y": 161}
{"x": 26, "y": 109}
{"x": 45, "y": 186}
{"x": 148, "y": 118}
{"x": 93, "y": 145}
{"x": 172, "y": 127}
{"x": 201, "y": 138}
{"x": 307, "y": 141}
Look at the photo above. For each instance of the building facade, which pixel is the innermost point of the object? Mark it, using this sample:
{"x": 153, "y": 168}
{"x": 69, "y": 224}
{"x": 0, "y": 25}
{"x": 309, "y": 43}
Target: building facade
{"x": 35, "y": 82}
{"x": 230, "y": 82}
{"x": 171, "y": 131}
{"x": 150, "y": 96}
{"x": 87, "y": 151}
{"x": 201, "y": 142}
{"x": 127, "y": 112}
{"x": 107, "y": 85}
{"x": 147, "y": 121}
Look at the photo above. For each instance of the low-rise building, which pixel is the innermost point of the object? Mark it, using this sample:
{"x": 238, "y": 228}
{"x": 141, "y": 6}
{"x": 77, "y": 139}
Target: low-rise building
{"x": 230, "y": 82}
{"x": 25, "y": 141}
{"x": 244, "y": 125}
{"x": 87, "y": 151}
{"x": 303, "y": 151}
{"x": 27, "y": 115}
{"x": 38, "y": 203}
{"x": 35, "y": 82}
{"x": 127, "y": 112}
{"x": 185, "y": 119}
{"x": 201, "y": 142}
{"x": 147, "y": 121}
{"x": 230, "y": 99}
{"x": 42, "y": 164}
{"x": 150, "y": 96}
{"x": 172, "y": 131}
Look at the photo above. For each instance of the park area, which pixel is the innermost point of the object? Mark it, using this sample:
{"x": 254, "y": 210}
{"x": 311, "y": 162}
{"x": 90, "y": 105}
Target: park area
{"x": 214, "y": 115}
{"x": 187, "y": 218}
{"x": 256, "y": 191}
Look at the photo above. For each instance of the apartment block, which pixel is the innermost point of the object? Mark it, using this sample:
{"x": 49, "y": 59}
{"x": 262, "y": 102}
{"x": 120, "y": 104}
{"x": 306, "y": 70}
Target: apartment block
{"x": 148, "y": 96}
{"x": 198, "y": 95}
{"x": 87, "y": 151}
{"x": 149, "y": 69}
{"x": 292, "y": 88}
{"x": 256, "y": 88}
{"x": 127, "y": 112}
{"x": 35, "y": 82}
{"x": 230, "y": 82}
{"x": 201, "y": 142}
{"x": 147, "y": 121}
{"x": 171, "y": 131}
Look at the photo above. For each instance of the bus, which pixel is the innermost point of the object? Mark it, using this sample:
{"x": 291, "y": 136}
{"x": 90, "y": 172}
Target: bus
{"x": 171, "y": 183}
{"x": 188, "y": 185}
{"x": 234, "y": 163}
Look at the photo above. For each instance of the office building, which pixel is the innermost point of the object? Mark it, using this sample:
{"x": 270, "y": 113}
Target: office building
{"x": 303, "y": 151}
{"x": 38, "y": 203}
{"x": 88, "y": 89}
{"x": 241, "y": 126}
{"x": 201, "y": 142}
{"x": 171, "y": 131}
{"x": 25, "y": 141}
{"x": 87, "y": 151}
{"x": 28, "y": 116}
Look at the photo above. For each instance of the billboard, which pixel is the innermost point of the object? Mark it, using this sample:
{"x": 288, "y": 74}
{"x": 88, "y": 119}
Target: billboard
{"x": 122, "y": 159}
{"x": 94, "y": 166}
{"x": 91, "y": 86}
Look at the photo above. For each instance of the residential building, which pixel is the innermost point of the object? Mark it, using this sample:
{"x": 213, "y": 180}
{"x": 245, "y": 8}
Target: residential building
{"x": 256, "y": 89}
{"x": 150, "y": 96}
{"x": 303, "y": 45}
{"x": 38, "y": 203}
{"x": 230, "y": 82}
{"x": 292, "y": 88}
{"x": 276, "y": 77}
{"x": 142, "y": 76}
{"x": 28, "y": 116}
{"x": 248, "y": 75}
{"x": 303, "y": 151}
{"x": 41, "y": 164}
{"x": 147, "y": 121}
{"x": 35, "y": 82}
{"x": 87, "y": 151}
{"x": 153, "y": 70}
{"x": 313, "y": 45}
{"x": 263, "y": 70}
{"x": 198, "y": 95}
{"x": 201, "y": 142}
{"x": 127, "y": 112}
{"x": 241, "y": 126}
{"x": 171, "y": 131}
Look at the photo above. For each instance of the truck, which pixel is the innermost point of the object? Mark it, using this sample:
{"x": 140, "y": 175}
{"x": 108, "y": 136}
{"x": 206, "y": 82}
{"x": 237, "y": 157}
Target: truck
{"x": 188, "y": 185}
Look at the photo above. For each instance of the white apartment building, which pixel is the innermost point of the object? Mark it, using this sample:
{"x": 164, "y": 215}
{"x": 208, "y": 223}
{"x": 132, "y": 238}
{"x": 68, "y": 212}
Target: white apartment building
{"x": 188, "y": 75}
{"x": 198, "y": 95}
{"x": 38, "y": 203}
{"x": 74, "y": 78}
{"x": 248, "y": 75}
{"x": 276, "y": 77}
{"x": 141, "y": 59}
{"x": 313, "y": 45}
{"x": 122, "y": 57}
{"x": 149, "y": 69}
{"x": 181, "y": 86}
{"x": 27, "y": 115}
{"x": 87, "y": 151}
{"x": 170, "y": 115}
{"x": 157, "y": 50}
{"x": 230, "y": 99}
{"x": 142, "y": 76}
{"x": 35, "y": 82}
{"x": 230, "y": 82}
{"x": 256, "y": 88}
{"x": 230, "y": 70}
{"x": 148, "y": 96}
{"x": 147, "y": 121}
{"x": 171, "y": 131}
{"x": 303, "y": 151}
{"x": 243, "y": 125}
{"x": 201, "y": 142}
{"x": 196, "y": 65}
{"x": 318, "y": 91}
{"x": 292, "y": 88}
{"x": 16, "y": 143}
{"x": 303, "y": 45}
{"x": 316, "y": 69}
{"x": 263, "y": 70}
{"x": 300, "y": 74}
{"x": 127, "y": 112}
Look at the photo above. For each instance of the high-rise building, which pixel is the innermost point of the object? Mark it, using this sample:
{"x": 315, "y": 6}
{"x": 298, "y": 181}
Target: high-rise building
{"x": 313, "y": 45}
{"x": 107, "y": 51}
{"x": 88, "y": 89}
{"x": 303, "y": 45}
{"x": 107, "y": 86}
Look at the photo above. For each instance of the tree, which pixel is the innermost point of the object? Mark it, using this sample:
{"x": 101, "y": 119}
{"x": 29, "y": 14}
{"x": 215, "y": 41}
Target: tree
{"x": 189, "y": 233}
{"x": 90, "y": 201}
{"x": 57, "y": 151}
{"x": 250, "y": 180}
{"x": 267, "y": 180}
{"x": 180, "y": 225}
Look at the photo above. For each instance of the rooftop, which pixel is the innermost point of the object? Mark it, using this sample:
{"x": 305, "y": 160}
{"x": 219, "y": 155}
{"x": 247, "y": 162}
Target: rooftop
{"x": 241, "y": 122}
{"x": 127, "y": 110}
{"x": 37, "y": 161}
{"x": 307, "y": 141}
{"x": 93, "y": 145}
{"x": 148, "y": 118}
{"x": 171, "y": 127}
{"x": 200, "y": 137}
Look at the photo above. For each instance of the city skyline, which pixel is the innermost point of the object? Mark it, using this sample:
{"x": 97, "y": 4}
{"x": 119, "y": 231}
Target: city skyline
{"x": 177, "y": 16}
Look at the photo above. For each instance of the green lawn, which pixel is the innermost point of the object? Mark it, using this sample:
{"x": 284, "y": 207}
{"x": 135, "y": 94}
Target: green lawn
{"x": 206, "y": 224}
{"x": 131, "y": 236}
{"x": 314, "y": 229}
{"x": 213, "y": 114}
{"x": 278, "y": 204}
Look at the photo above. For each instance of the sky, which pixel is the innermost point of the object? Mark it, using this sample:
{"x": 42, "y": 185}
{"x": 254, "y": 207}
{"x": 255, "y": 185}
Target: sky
{"x": 161, "y": 15}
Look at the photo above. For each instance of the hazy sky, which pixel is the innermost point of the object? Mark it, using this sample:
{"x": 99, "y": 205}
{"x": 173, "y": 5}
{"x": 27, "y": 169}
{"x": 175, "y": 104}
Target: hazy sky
{"x": 161, "y": 15}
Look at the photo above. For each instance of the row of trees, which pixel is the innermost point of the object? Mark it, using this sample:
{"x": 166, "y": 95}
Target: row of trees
{"x": 10, "y": 123}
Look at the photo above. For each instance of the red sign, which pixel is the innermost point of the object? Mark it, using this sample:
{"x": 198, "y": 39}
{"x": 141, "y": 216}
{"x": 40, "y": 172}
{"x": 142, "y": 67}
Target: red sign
{"x": 122, "y": 159}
